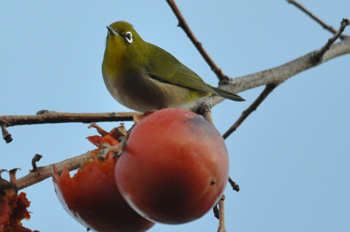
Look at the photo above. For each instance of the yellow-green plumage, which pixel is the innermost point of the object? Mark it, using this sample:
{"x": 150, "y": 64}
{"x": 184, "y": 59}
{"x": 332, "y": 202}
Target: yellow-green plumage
{"x": 144, "y": 77}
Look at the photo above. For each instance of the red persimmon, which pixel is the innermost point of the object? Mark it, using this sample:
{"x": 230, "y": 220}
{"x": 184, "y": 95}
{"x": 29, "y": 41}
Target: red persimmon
{"x": 92, "y": 197}
{"x": 174, "y": 168}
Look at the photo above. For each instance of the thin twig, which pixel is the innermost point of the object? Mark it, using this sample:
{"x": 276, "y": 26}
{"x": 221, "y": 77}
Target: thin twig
{"x": 46, "y": 117}
{"x": 318, "y": 20}
{"x": 216, "y": 211}
{"x": 268, "y": 89}
{"x": 183, "y": 24}
{"x": 234, "y": 185}
{"x": 318, "y": 55}
{"x": 36, "y": 159}
{"x": 219, "y": 210}
{"x": 5, "y": 134}
{"x": 222, "y": 227}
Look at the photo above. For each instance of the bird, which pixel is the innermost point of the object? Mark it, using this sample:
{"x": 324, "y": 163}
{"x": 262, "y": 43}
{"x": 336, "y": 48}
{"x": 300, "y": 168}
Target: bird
{"x": 144, "y": 77}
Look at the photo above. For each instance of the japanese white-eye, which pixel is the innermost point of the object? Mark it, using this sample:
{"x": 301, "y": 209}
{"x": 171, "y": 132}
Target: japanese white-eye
{"x": 144, "y": 77}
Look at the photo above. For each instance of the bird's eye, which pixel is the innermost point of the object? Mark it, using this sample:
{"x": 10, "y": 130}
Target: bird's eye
{"x": 128, "y": 37}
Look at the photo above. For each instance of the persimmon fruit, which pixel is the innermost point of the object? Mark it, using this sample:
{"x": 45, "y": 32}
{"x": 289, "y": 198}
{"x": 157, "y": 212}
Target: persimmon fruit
{"x": 92, "y": 197}
{"x": 174, "y": 168}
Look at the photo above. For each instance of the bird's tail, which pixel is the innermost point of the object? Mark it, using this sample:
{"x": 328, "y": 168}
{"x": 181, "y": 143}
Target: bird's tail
{"x": 228, "y": 95}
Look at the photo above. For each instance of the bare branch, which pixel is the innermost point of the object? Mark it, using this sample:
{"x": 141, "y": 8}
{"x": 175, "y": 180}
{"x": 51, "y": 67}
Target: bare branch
{"x": 183, "y": 24}
{"x": 56, "y": 117}
{"x": 268, "y": 89}
{"x": 222, "y": 227}
{"x": 318, "y": 20}
{"x": 44, "y": 172}
{"x": 275, "y": 75}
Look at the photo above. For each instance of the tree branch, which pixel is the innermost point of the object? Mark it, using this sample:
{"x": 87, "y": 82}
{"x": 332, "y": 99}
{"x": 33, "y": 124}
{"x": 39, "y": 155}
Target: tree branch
{"x": 41, "y": 173}
{"x": 222, "y": 227}
{"x": 57, "y": 117}
{"x": 275, "y": 75}
{"x": 268, "y": 89}
{"x": 318, "y": 20}
{"x": 183, "y": 24}
{"x": 283, "y": 72}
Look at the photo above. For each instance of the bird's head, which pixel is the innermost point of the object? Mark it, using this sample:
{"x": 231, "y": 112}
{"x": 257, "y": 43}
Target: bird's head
{"x": 124, "y": 42}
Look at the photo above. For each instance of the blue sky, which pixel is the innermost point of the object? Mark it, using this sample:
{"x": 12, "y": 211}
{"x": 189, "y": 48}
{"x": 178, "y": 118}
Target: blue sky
{"x": 290, "y": 157}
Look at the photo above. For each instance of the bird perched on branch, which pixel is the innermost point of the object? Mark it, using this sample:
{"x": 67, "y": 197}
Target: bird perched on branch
{"x": 144, "y": 77}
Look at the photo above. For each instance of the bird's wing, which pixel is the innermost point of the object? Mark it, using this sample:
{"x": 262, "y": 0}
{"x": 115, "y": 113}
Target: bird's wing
{"x": 166, "y": 68}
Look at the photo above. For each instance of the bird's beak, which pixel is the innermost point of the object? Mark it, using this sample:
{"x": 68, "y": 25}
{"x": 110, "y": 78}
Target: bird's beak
{"x": 112, "y": 31}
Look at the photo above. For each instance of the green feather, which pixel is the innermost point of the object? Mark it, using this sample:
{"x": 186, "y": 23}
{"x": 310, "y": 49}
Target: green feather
{"x": 167, "y": 68}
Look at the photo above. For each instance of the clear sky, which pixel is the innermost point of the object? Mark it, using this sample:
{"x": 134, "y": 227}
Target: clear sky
{"x": 291, "y": 157}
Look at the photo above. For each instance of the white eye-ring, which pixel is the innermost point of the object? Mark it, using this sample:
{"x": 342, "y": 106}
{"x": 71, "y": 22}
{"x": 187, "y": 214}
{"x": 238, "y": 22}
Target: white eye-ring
{"x": 128, "y": 37}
